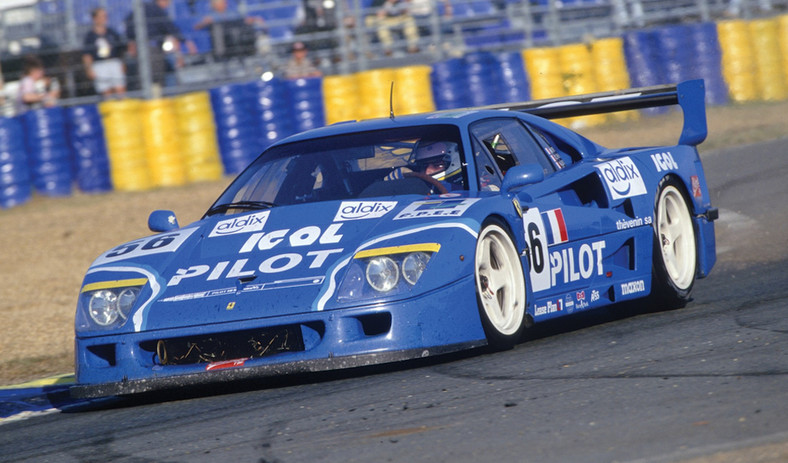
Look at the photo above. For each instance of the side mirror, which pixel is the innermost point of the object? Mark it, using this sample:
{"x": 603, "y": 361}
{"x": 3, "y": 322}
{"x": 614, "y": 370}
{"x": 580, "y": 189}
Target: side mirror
{"x": 522, "y": 175}
{"x": 162, "y": 221}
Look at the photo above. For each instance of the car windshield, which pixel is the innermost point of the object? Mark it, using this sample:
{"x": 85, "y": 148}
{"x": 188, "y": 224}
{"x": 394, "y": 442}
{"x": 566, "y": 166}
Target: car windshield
{"x": 411, "y": 160}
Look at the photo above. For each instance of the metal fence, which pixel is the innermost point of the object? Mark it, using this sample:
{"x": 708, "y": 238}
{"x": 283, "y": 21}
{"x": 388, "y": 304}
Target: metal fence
{"x": 346, "y": 36}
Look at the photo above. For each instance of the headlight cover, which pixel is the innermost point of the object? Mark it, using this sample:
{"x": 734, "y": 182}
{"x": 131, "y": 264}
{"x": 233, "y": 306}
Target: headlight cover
{"x": 382, "y": 272}
{"x": 109, "y": 304}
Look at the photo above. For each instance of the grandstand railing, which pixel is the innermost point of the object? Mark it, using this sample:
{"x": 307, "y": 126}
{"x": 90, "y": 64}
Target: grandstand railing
{"x": 54, "y": 30}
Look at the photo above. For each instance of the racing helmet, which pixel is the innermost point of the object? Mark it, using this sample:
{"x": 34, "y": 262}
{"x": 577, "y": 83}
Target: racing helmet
{"x": 444, "y": 156}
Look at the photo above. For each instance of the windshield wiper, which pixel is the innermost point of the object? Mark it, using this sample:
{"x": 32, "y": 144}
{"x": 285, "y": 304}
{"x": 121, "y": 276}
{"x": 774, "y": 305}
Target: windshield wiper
{"x": 248, "y": 205}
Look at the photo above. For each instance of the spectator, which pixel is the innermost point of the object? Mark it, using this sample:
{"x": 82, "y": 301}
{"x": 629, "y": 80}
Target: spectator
{"x": 300, "y": 65}
{"x": 36, "y": 90}
{"x": 394, "y": 14}
{"x": 315, "y": 18}
{"x": 102, "y": 57}
{"x": 231, "y": 33}
{"x": 163, "y": 37}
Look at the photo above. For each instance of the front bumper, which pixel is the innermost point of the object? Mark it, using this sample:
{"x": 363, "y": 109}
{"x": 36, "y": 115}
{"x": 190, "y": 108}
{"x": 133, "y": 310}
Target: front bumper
{"x": 261, "y": 371}
{"x": 442, "y": 321}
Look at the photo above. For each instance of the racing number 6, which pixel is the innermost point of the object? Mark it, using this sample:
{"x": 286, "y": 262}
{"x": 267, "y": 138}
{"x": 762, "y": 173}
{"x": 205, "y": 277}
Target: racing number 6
{"x": 537, "y": 250}
{"x": 535, "y": 235}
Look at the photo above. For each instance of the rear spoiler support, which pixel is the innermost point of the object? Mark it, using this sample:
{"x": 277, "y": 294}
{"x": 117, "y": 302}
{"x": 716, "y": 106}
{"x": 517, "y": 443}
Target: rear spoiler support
{"x": 689, "y": 95}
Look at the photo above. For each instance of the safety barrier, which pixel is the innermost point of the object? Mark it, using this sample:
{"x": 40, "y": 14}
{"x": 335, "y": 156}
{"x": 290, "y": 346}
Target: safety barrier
{"x": 15, "y": 186}
{"x": 135, "y": 145}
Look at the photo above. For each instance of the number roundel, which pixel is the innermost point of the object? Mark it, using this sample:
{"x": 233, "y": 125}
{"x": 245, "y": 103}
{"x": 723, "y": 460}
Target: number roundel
{"x": 536, "y": 237}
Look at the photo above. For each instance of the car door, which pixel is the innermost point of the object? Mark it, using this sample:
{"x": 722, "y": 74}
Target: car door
{"x": 563, "y": 216}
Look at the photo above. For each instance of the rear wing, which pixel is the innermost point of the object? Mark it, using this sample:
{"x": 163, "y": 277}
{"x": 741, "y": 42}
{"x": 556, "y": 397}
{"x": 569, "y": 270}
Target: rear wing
{"x": 689, "y": 95}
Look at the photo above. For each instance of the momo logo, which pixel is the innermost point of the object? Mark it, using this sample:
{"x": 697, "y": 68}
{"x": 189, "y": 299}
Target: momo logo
{"x": 357, "y": 210}
{"x": 247, "y": 223}
{"x": 622, "y": 177}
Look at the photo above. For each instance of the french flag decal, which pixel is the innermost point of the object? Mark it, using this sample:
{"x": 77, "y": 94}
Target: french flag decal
{"x": 557, "y": 227}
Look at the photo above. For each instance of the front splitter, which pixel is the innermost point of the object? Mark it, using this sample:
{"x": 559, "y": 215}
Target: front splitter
{"x": 136, "y": 386}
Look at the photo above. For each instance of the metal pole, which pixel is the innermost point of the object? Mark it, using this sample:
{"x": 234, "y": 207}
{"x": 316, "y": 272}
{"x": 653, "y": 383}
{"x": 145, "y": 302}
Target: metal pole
{"x": 143, "y": 52}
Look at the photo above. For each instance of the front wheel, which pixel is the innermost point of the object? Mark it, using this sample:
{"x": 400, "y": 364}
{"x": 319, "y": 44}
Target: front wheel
{"x": 500, "y": 287}
{"x": 675, "y": 250}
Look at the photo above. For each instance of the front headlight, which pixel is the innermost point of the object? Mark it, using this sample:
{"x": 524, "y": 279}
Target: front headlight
{"x": 108, "y": 304}
{"x": 382, "y": 273}
{"x": 413, "y": 266}
{"x": 103, "y": 307}
{"x": 385, "y": 271}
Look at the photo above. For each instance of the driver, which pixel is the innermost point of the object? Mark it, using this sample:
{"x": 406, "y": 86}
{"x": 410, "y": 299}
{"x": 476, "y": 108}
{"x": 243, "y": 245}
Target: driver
{"x": 436, "y": 158}
{"x": 433, "y": 158}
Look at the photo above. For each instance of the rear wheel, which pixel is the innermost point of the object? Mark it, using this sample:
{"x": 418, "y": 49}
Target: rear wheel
{"x": 500, "y": 286}
{"x": 675, "y": 249}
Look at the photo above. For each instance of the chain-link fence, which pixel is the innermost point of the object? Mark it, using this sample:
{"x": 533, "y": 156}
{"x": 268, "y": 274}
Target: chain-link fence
{"x": 233, "y": 40}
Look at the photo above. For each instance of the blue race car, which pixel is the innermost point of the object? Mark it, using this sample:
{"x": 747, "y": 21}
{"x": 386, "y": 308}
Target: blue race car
{"x": 392, "y": 239}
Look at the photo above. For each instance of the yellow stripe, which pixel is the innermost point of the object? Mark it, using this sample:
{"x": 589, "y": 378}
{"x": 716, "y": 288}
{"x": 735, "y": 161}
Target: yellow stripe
{"x": 67, "y": 378}
{"x": 425, "y": 247}
{"x": 114, "y": 284}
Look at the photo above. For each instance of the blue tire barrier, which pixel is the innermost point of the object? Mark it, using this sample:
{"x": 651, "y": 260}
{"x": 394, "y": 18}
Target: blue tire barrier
{"x": 449, "y": 84}
{"x": 674, "y": 53}
{"x": 272, "y": 110}
{"x": 707, "y": 54}
{"x": 14, "y": 171}
{"x": 484, "y": 77}
{"x": 87, "y": 142}
{"x": 306, "y": 98}
{"x": 15, "y": 195}
{"x": 237, "y": 131}
{"x": 692, "y": 52}
{"x": 514, "y": 84}
{"x": 51, "y": 162}
{"x": 643, "y": 62}
{"x": 10, "y": 128}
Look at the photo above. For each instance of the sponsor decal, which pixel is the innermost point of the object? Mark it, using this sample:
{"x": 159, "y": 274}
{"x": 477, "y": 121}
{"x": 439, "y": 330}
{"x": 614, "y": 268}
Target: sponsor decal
{"x": 695, "y": 182}
{"x": 624, "y": 224}
{"x": 549, "y": 307}
{"x": 557, "y": 226}
{"x": 622, "y": 177}
{"x": 436, "y": 208}
{"x": 633, "y": 287}
{"x": 279, "y": 284}
{"x": 573, "y": 264}
{"x": 305, "y": 236}
{"x": 165, "y": 242}
{"x": 225, "y": 364}
{"x": 580, "y": 297}
{"x": 594, "y": 295}
{"x": 566, "y": 265}
{"x": 569, "y": 303}
{"x": 664, "y": 162}
{"x": 241, "y": 268}
{"x": 245, "y": 224}
{"x": 357, "y": 210}
{"x": 450, "y": 195}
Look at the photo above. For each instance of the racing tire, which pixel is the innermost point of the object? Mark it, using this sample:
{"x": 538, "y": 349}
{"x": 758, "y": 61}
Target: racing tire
{"x": 675, "y": 259}
{"x": 500, "y": 286}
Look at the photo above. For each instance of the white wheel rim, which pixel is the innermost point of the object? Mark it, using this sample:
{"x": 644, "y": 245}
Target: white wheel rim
{"x": 677, "y": 237}
{"x": 499, "y": 280}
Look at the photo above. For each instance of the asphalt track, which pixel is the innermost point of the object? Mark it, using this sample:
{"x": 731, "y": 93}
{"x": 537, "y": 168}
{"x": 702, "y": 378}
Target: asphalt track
{"x": 620, "y": 385}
